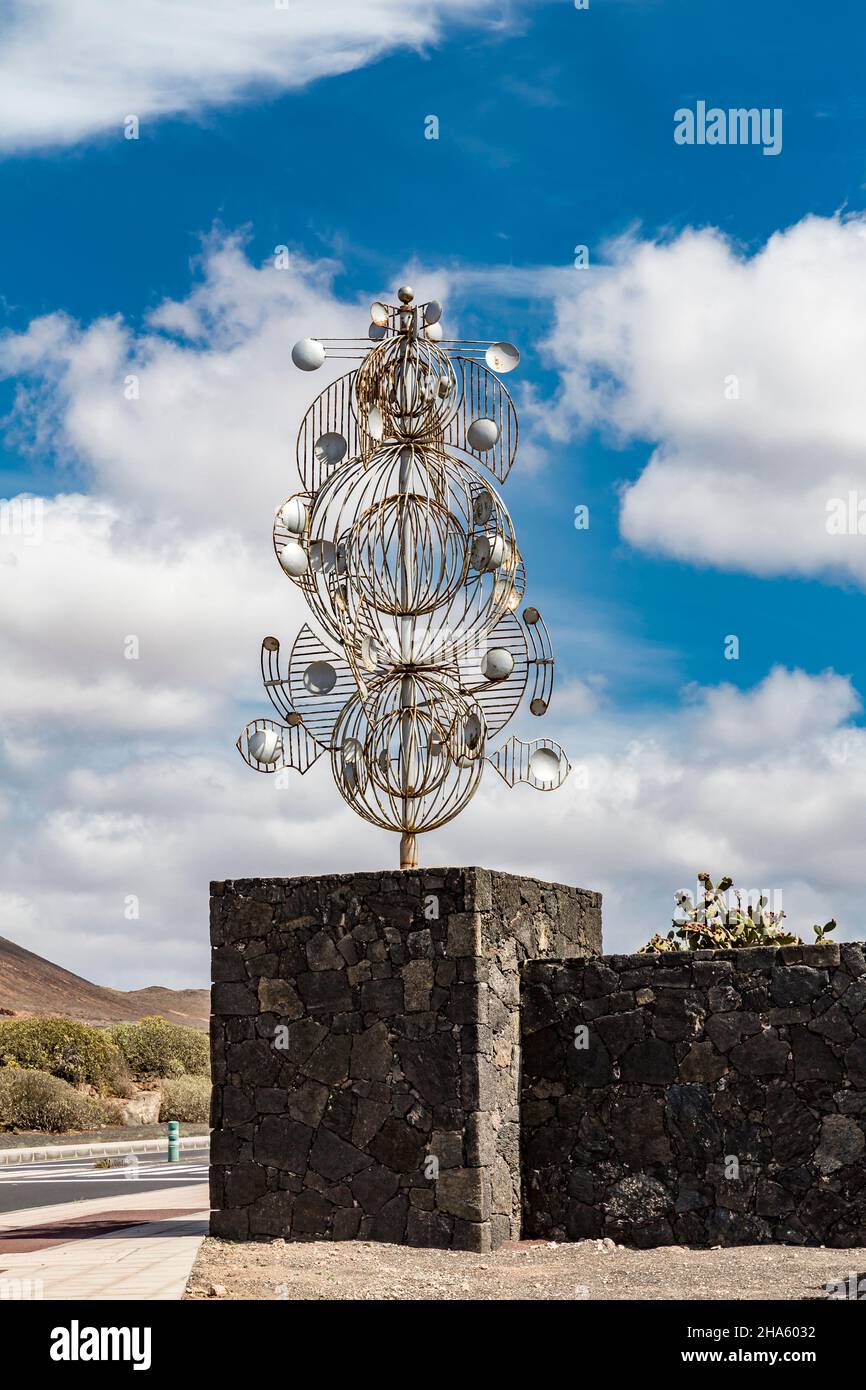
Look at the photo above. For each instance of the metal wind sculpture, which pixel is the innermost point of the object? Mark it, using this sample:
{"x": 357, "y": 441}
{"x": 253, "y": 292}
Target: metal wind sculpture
{"x": 406, "y": 555}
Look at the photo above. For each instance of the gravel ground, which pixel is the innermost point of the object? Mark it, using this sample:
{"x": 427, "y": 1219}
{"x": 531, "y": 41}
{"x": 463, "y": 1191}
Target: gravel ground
{"x": 520, "y": 1270}
{"x": 36, "y": 1138}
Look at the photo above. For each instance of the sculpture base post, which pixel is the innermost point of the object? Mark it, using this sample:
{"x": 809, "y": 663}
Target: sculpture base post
{"x": 408, "y": 851}
{"x": 365, "y": 1040}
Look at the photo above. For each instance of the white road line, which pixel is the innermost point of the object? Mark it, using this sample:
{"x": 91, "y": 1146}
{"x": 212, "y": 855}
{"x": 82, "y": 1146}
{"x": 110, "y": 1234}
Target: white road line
{"x": 131, "y": 1174}
{"x": 85, "y": 1165}
{"x": 61, "y": 1182}
{"x": 103, "y": 1174}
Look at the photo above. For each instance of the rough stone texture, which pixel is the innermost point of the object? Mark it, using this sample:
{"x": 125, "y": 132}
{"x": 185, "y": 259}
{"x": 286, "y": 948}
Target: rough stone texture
{"x": 141, "y": 1109}
{"x": 721, "y": 1097}
{"x": 364, "y": 1024}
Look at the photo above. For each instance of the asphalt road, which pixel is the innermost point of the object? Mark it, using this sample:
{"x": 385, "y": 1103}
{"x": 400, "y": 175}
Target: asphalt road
{"x": 76, "y": 1179}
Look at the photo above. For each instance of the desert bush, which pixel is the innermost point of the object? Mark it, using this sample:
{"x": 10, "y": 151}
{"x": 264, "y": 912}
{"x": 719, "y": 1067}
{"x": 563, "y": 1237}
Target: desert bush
{"x": 113, "y": 1109}
{"x": 187, "y": 1098}
{"x": 32, "y": 1099}
{"x": 74, "y": 1052}
{"x": 713, "y": 923}
{"x": 156, "y": 1048}
{"x": 120, "y": 1081}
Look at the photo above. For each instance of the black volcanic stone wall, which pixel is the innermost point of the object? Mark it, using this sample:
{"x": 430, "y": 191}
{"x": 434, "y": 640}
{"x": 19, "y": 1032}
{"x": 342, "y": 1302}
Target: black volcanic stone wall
{"x": 721, "y": 1098}
{"x": 365, "y": 1036}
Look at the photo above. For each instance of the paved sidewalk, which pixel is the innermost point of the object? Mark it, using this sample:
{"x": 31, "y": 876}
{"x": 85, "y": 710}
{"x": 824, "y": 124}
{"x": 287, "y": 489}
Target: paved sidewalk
{"x": 136, "y": 1246}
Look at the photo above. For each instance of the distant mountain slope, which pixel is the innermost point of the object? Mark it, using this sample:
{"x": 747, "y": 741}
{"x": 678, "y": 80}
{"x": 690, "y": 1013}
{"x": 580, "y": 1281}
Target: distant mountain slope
{"x": 31, "y": 985}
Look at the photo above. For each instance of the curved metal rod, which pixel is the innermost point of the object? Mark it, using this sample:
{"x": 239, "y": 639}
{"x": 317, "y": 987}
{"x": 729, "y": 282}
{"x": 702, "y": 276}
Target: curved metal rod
{"x": 295, "y": 747}
{"x": 541, "y": 660}
{"x": 542, "y": 763}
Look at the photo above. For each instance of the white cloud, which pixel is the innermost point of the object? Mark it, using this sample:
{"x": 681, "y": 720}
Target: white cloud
{"x": 653, "y": 801}
{"x": 786, "y": 708}
{"x": 120, "y": 776}
{"x": 68, "y": 72}
{"x": 745, "y": 372}
{"x": 194, "y": 418}
{"x": 108, "y": 634}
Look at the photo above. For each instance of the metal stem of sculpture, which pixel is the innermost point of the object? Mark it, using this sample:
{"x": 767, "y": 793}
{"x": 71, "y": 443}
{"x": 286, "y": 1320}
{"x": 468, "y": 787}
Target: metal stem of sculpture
{"x": 408, "y": 841}
{"x": 407, "y": 557}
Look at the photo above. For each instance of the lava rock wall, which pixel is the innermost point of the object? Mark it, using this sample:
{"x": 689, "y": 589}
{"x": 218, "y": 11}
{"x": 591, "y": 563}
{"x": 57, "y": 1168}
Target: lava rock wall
{"x": 365, "y": 1043}
{"x": 706, "y": 1098}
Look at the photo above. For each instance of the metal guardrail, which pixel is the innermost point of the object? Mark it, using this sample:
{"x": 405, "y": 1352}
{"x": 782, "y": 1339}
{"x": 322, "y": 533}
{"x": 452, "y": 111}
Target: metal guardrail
{"x": 47, "y": 1152}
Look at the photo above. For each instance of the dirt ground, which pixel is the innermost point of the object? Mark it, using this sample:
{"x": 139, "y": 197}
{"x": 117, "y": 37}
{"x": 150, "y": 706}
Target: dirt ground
{"x": 38, "y": 1138}
{"x": 520, "y": 1270}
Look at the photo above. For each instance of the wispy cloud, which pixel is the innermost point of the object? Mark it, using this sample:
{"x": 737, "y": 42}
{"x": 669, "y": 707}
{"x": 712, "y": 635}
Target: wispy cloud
{"x": 73, "y": 71}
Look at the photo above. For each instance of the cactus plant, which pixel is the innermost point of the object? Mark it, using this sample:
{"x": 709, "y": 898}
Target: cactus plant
{"x": 711, "y": 922}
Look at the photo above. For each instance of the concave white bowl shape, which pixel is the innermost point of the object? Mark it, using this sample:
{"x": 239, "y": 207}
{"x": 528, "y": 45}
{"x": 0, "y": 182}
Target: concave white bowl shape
{"x": 323, "y": 556}
{"x": 353, "y": 751}
{"x": 544, "y": 766}
{"x": 497, "y": 664}
{"x": 294, "y": 516}
{"x": 320, "y": 677}
{"x": 487, "y": 553}
{"x": 265, "y": 746}
{"x": 293, "y": 559}
{"x": 482, "y": 435}
{"x": 375, "y": 423}
{"x": 472, "y": 731}
{"x": 330, "y": 449}
{"x": 308, "y": 354}
{"x": 502, "y": 357}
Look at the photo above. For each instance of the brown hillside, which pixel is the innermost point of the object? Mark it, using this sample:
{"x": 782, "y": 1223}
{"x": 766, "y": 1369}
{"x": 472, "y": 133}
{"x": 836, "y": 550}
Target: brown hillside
{"x": 31, "y": 985}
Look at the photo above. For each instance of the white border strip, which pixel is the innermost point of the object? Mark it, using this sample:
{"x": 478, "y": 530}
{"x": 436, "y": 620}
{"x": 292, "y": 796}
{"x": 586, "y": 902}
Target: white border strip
{"x": 14, "y": 1157}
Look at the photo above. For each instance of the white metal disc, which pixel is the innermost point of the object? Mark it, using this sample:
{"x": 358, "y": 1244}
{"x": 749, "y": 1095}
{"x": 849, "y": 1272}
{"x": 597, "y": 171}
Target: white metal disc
{"x": 330, "y": 449}
{"x": 308, "y": 354}
{"x": 369, "y": 653}
{"x": 293, "y": 559}
{"x": 293, "y": 515}
{"x": 502, "y": 357}
{"x": 482, "y": 434}
{"x": 544, "y": 766}
{"x": 487, "y": 553}
{"x": 323, "y": 556}
{"x": 320, "y": 677}
{"x": 497, "y": 664}
{"x": 265, "y": 746}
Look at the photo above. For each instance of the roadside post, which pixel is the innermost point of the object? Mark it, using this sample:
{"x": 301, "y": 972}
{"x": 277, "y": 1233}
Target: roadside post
{"x": 173, "y": 1141}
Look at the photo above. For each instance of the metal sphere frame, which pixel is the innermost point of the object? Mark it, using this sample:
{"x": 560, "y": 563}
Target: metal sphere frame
{"x": 408, "y": 560}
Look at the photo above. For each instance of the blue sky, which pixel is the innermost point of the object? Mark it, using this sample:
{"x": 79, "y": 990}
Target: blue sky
{"x": 555, "y": 133}
{"x": 556, "y": 129}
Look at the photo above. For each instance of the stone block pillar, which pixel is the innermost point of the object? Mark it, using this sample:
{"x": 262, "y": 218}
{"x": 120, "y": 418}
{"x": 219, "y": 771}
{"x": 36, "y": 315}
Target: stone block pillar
{"x": 365, "y": 1036}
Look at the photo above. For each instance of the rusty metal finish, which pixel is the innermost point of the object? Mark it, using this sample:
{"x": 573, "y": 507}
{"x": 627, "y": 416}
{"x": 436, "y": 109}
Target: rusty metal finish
{"x": 408, "y": 560}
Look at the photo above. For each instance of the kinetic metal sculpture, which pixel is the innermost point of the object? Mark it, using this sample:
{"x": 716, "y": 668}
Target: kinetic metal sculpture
{"x": 406, "y": 555}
